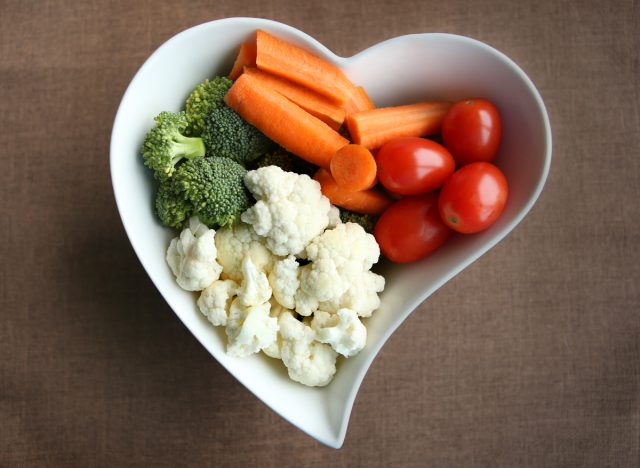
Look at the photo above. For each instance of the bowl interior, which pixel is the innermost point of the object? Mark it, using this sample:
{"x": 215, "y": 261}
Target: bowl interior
{"x": 402, "y": 70}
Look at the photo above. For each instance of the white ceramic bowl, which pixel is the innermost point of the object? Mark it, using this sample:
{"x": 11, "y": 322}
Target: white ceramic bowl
{"x": 398, "y": 71}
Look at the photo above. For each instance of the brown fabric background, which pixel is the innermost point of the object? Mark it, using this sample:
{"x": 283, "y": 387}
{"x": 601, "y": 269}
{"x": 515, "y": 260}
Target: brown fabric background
{"x": 528, "y": 358}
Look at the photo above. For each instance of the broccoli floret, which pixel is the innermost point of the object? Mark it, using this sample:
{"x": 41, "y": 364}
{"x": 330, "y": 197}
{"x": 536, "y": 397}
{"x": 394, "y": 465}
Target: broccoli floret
{"x": 286, "y": 161}
{"x": 215, "y": 188}
{"x": 368, "y": 222}
{"x": 165, "y": 145}
{"x": 172, "y": 207}
{"x": 227, "y": 135}
{"x": 207, "y": 95}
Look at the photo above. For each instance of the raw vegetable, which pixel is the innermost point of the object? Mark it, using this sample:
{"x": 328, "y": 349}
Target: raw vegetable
{"x": 411, "y": 228}
{"x": 364, "y": 201}
{"x": 171, "y": 206}
{"x": 206, "y": 96}
{"x": 192, "y": 257}
{"x": 472, "y": 130}
{"x": 246, "y": 58}
{"x": 293, "y": 63}
{"x": 215, "y": 188}
{"x": 290, "y": 209}
{"x": 360, "y": 101}
{"x": 166, "y": 145}
{"x": 367, "y": 221}
{"x": 226, "y": 134}
{"x": 354, "y": 168}
{"x": 307, "y": 360}
{"x": 412, "y": 165}
{"x": 375, "y": 127}
{"x": 338, "y": 275}
{"x": 284, "y": 122}
{"x": 473, "y": 198}
{"x": 343, "y": 330}
{"x": 314, "y": 103}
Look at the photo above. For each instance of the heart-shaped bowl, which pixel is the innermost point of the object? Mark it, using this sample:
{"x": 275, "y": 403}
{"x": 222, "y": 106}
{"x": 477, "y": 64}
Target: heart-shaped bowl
{"x": 403, "y": 70}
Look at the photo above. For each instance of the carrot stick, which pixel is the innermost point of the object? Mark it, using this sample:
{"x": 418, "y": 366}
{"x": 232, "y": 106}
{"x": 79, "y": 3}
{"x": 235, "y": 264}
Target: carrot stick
{"x": 375, "y": 127}
{"x": 365, "y": 201}
{"x": 283, "y": 121}
{"x": 360, "y": 101}
{"x": 354, "y": 168}
{"x": 295, "y": 64}
{"x": 246, "y": 58}
{"x": 314, "y": 103}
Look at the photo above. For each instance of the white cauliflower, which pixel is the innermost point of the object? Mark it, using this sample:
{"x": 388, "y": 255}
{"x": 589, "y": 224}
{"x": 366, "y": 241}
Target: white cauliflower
{"x": 284, "y": 281}
{"x": 338, "y": 275}
{"x": 250, "y": 329}
{"x": 308, "y": 361}
{"x": 234, "y": 242}
{"x": 215, "y": 300}
{"x": 364, "y": 298}
{"x": 343, "y": 331}
{"x": 255, "y": 289}
{"x": 290, "y": 210}
{"x": 273, "y": 350}
{"x": 334, "y": 217}
{"x": 192, "y": 257}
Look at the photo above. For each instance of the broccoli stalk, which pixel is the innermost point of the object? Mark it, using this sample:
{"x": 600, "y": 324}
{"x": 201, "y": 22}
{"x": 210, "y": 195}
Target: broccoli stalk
{"x": 166, "y": 145}
{"x": 215, "y": 188}
{"x": 228, "y": 135}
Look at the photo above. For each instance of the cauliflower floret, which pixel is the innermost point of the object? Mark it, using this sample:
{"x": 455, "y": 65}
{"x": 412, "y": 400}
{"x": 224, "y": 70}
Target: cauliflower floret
{"x": 255, "y": 288}
{"x": 234, "y": 242}
{"x": 308, "y": 361}
{"x": 250, "y": 329}
{"x": 343, "y": 331}
{"x": 215, "y": 300}
{"x": 273, "y": 350}
{"x": 363, "y": 299}
{"x": 290, "y": 211}
{"x": 338, "y": 275}
{"x": 334, "y": 217}
{"x": 192, "y": 257}
{"x": 284, "y": 281}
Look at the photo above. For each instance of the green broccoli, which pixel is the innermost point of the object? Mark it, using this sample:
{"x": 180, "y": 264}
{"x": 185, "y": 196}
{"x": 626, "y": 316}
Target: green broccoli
{"x": 172, "y": 207}
{"x": 368, "y": 222}
{"x": 286, "y": 161}
{"x": 207, "y": 95}
{"x": 215, "y": 188}
{"x": 226, "y": 134}
{"x": 165, "y": 145}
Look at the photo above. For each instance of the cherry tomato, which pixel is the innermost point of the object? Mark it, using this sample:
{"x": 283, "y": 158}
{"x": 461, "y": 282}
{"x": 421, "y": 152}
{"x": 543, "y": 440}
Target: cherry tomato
{"x": 472, "y": 131}
{"x": 411, "y": 228}
{"x": 473, "y": 197}
{"x": 411, "y": 165}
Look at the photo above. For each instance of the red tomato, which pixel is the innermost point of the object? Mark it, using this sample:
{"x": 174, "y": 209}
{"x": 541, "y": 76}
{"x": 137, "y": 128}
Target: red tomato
{"x": 473, "y": 197}
{"x": 411, "y": 228}
{"x": 411, "y": 165}
{"x": 472, "y": 130}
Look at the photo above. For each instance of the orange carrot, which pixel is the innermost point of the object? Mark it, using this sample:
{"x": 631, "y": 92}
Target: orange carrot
{"x": 314, "y": 103}
{"x": 360, "y": 101}
{"x": 283, "y": 121}
{"x": 354, "y": 168}
{"x": 375, "y": 127}
{"x": 283, "y": 59}
{"x": 365, "y": 201}
{"x": 246, "y": 58}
